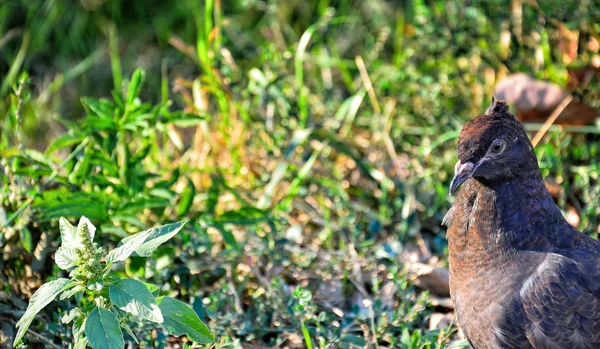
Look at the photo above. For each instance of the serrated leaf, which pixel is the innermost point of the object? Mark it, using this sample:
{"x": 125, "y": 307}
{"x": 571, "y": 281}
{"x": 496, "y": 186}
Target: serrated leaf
{"x": 65, "y": 258}
{"x": 180, "y": 319}
{"x": 42, "y": 297}
{"x": 102, "y": 330}
{"x": 127, "y": 248}
{"x": 154, "y": 238}
{"x": 134, "y": 297}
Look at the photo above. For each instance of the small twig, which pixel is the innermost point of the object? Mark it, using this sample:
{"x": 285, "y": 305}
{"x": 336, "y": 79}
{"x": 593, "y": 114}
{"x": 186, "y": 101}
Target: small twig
{"x": 551, "y": 119}
{"x": 373, "y": 329}
{"x": 357, "y": 279}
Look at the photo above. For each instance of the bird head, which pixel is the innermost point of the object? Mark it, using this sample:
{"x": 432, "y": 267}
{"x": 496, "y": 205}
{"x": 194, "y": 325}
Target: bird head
{"x": 493, "y": 148}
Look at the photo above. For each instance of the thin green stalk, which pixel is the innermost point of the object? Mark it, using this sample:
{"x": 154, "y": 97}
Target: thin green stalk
{"x": 208, "y": 19}
{"x": 115, "y": 60}
{"x": 16, "y": 65}
{"x": 218, "y": 13}
{"x": 306, "y": 335}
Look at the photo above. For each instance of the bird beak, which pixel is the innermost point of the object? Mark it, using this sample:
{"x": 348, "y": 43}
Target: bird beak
{"x": 462, "y": 172}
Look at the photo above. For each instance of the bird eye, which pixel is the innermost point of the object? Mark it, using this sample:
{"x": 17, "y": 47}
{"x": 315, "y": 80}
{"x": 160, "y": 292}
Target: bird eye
{"x": 497, "y": 147}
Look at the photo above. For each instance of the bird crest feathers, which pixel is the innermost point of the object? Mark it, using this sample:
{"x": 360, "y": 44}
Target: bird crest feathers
{"x": 497, "y": 106}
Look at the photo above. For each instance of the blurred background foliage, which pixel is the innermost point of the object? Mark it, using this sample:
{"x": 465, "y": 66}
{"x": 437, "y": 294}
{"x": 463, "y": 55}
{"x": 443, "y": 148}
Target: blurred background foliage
{"x": 310, "y": 144}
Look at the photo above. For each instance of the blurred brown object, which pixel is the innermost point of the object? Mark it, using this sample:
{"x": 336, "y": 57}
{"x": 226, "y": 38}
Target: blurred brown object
{"x": 581, "y": 76}
{"x": 430, "y": 277}
{"x": 535, "y": 100}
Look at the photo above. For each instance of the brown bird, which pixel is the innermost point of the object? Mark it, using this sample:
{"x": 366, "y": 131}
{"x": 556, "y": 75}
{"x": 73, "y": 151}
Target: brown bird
{"x": 520, "y": 275}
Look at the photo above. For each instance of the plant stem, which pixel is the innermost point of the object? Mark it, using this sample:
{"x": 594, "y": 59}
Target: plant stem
{"x": 306, "y": 335}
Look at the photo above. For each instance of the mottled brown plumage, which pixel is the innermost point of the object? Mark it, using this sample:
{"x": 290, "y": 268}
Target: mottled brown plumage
{"x": 520, "y": 275}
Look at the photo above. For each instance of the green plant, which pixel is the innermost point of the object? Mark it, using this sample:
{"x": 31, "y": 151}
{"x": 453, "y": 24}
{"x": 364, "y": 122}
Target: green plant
{"x": 305, "y": 311}
{"x": 106, "y": 301}
{"x": 304, "y": 165}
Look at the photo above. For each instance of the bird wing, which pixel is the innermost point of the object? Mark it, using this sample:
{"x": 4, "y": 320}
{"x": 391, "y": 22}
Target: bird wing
{"x": 561, "y": 303}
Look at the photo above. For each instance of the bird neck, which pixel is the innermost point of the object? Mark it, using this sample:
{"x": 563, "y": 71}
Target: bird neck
{"x": 501, "y": 218}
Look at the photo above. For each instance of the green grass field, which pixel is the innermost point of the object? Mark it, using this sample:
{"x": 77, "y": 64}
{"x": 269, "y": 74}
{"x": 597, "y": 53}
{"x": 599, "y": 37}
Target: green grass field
{"x": 308, "y": 143}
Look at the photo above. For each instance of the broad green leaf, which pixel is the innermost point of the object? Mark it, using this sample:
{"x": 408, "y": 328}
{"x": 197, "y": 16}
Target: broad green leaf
{"x": 134, "y": 297}
{"x": 181, "y": 319}
{"x": 153, "y": 238}
{"x": 25, "y": 237}
{"x": 56, "y": 203}
{"x": 126, "y": 248}
{"x": 42, "y": 297}
{"x": 65, "y": 258}
{"x": 103, "y": 331}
